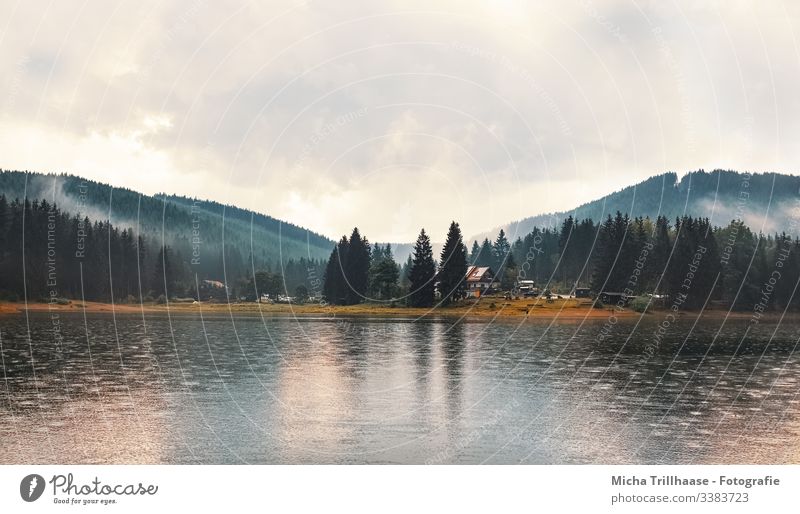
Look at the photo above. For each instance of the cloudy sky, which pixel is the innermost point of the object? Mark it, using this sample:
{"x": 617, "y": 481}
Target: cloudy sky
{"x": 396, "y": 115}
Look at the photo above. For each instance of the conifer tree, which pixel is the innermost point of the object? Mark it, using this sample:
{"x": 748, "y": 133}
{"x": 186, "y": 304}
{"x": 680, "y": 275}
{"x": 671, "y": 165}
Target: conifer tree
{"x": 383, "y": 273}
{"x": 334, "y": 289}
{"x": 163, "y": 273}
{"x": 453, "y": 266}
{"x": 404, "y": 280}
{"x": 500, "y": 249}
{"x": 474, "y": 254}
{"x": 357, "y": 268}
{"x": 486, "y": 255}
{"x": 421, "y": 274}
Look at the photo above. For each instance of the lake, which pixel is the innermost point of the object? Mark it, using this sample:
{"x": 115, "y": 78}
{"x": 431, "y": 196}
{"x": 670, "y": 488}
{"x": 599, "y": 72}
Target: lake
{"x": 241, "y": 389}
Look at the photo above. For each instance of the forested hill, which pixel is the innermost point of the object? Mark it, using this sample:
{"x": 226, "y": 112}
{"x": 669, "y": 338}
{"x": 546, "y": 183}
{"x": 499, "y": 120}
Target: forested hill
{"x": 179, "y": 220}
{"x": 766, "y": 202}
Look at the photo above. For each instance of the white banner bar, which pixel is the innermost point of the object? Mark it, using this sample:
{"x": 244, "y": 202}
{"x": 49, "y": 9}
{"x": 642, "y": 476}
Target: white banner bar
{"x": 371, "y": 489}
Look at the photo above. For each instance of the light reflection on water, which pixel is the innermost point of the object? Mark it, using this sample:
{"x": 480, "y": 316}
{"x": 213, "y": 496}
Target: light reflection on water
{"x": 186, "y": 390}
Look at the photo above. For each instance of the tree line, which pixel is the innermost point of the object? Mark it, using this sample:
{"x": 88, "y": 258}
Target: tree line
{"x": 691, "y": 262}
{"x": 247, "y": 237}
{"x": 45, "y": 251}
{"x": 48, "y": 253}
{"x": 687, "y": 262}
{"x": 356, "y": 272}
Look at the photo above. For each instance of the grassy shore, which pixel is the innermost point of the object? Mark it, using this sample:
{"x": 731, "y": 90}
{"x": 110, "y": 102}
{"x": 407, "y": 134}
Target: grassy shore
{"x": 485, "y": 308}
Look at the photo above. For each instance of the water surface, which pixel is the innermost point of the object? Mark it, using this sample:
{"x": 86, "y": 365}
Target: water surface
{"x": 222, "y": 389}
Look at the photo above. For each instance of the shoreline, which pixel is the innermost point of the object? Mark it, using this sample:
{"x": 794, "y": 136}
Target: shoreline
{"x": 487, "y": 309}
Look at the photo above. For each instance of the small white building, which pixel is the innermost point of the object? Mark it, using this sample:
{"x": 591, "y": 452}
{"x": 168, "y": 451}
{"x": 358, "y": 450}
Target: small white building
{"x": 527, "y": 288}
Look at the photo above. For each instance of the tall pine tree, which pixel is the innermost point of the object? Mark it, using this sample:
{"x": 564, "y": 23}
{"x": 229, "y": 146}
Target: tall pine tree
{"x": 453, "y": 266}
{"x": 421, "y": 273}
{"x": 334, "y": 289}
{"x": 357, "y": 268}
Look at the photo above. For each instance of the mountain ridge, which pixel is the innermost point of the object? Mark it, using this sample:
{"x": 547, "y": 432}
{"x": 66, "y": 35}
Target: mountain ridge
{"x": 768, "y": 202}
{"x": 174, "y": 218}
{"x": 759, "y": 199}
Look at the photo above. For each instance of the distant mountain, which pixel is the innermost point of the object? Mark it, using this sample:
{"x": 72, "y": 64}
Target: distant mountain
{"x": 401, "y": 251}
{"x": 767, "y": 202}
{"x": 178, "y": 220}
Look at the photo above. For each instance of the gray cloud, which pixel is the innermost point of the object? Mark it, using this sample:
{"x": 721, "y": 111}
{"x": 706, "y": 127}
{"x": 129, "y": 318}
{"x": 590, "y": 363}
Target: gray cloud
{"x": 396, "y": 115}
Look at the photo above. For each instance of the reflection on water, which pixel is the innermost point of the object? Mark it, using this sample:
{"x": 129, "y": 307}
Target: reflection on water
{"x": 188, "y": 389}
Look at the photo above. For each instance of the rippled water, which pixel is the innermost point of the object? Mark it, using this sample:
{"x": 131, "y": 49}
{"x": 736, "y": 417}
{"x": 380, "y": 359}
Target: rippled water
{"x": 218, "y": 389}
